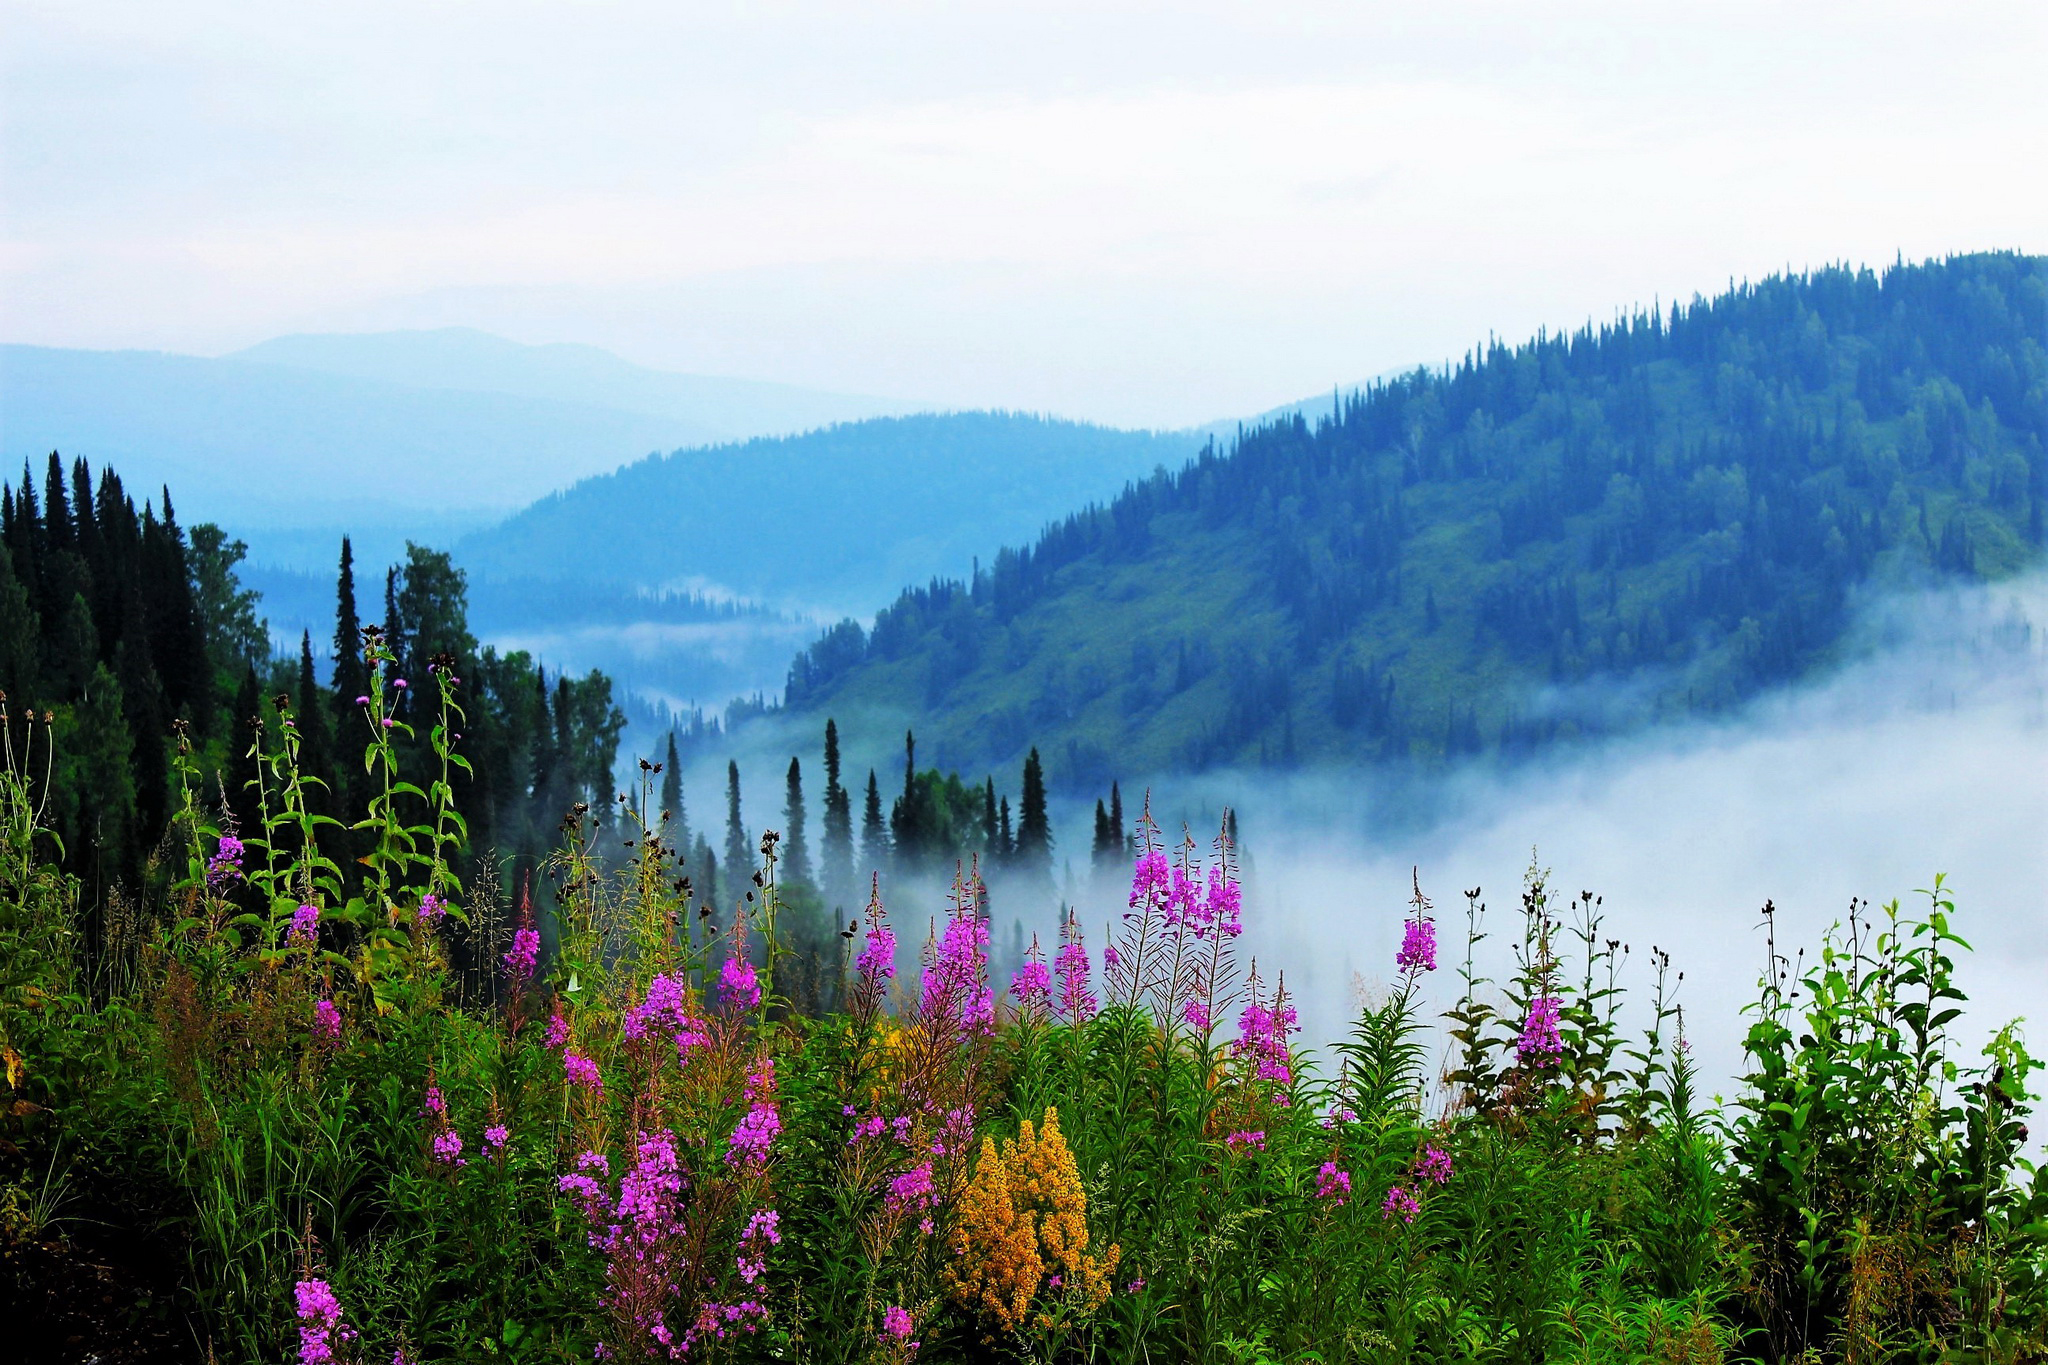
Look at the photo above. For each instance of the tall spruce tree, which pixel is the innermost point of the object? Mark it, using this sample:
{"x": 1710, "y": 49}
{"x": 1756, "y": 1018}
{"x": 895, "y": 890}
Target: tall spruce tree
{"x": 796, "y": 852}
{"x": 874, "y": 833}
{"x": 835, "y": 870}
{"x": 1103, "y": 852}
{"x": 739, "y": 856}
{"x": 1116, "y": 821}
{"x": 673, "y": 810}
{"x": 1034, "y": 830}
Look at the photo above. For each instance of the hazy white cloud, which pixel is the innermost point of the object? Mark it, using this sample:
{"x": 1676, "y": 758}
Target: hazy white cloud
{"x": 1132, "y": 211}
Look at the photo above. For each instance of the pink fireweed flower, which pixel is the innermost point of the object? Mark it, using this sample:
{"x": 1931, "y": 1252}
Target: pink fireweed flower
{"x": 1033, "y": 988}
{"x": 1262, "y": 1039}
{"x": 738, "y": 986}
{"x": 1339, "y": 1114}
{"x": 224, "y": 869}
{"x": 955, "y": 985}
{"x": 764, "y": 1230}
{"x": 582, "y": 1072}
{"x": 876, "y": 961}
{"x": 432, "y": 909}
{"x": 1540, "y": 1043}
{"x": 326, "y": 1020}
{"x": 913, "y": 1189}
{"x": 1196, "y": 1012}
{"x": 305, "y": 930}
{"x": 1435, "y": 1166}
{"x": 1111, "y": 957}
{"x": 435, "y": 1104}
{"x": 558, "y": 1029}
{"x": 1400, "y": 1204}
{"x": 1418, "y": 948}
{"x": 495, "y": 1137}
{"x": 1077, "y": 1003}
{"x": 524, "y": 956}
{"x": 448, "y": 1148}
{"x": 1243, "y": 1141}
{"x": 666, "y": 1012}
{"x": 1151, "y": 881}
{"x": 762, "y": 1123}
{"x": 320, "y": 1326}
{"x": 1333, "y": 1184}
{"x": 1225, "y": 909}
{"x": 897, "y": 1326}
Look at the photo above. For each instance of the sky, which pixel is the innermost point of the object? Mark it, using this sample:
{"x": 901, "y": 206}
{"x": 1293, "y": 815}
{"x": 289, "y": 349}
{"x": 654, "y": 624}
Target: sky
{"x": 1147, "y": 214}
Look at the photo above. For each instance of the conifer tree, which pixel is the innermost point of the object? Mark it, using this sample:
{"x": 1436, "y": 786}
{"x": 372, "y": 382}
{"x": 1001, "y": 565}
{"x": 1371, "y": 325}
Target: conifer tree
{"x": 796, "y": 853}
{"x": 874, "y": 835}
{"x": 673, "y": 810}
{"x": 1034, "y": 831}
{"x": 990, "y": 842}
{"x": 905, "y": 826}
{"x": 316, "y": 749}
{"x": 351, "y": 676}
{"x": 836, "y": 864}
{"x": 1006, "y": 843}
{"x": 739, "y": 858}
{"x": 1121, "y": 830}
{"x": 1105, "y": 847}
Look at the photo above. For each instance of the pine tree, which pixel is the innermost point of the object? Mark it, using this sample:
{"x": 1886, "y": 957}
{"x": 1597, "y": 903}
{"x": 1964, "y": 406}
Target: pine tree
{"x": 1006, "y": 843}
{"x": 874, "y": 835}
{"x": 739, "y": 857}
{"x": 1034, "y": 831}
{"x": 991, "y": 844}
{"x": 351, "y": 676}
{"x": 1103, "y": 850}
{"x": 1124, "y": 840}
{"x": 673, "y": 810}
{"x": 796, "y": 853}
{"x": 836, "y": 869}
{"x": 905, "y": 824}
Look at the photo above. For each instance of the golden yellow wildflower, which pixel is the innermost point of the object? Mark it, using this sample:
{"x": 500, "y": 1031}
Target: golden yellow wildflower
{"x": 1023, "y": 1228}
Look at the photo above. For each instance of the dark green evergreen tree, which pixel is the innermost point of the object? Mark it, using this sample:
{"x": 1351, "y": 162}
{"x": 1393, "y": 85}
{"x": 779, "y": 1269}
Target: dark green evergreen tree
{"x": 836, "y": 870}
{"x": 875, "y": 852}
{"x": 796, "y": 853}
{"x": 1034, "y": 830}
{"x": 739, "y": 852}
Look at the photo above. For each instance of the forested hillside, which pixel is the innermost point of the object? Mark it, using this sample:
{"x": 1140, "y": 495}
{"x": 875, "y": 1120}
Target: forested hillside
{"x": 128, "y": 647}
{"x": 838, "y": 518}
{"x": 1682, "y": 501}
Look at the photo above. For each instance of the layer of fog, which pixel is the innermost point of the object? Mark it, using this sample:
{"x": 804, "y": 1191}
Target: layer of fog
{"x": 1925, "y": 753}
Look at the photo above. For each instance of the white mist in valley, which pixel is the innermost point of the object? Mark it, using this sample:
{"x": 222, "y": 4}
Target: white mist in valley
{"x": 1926, "y": 752}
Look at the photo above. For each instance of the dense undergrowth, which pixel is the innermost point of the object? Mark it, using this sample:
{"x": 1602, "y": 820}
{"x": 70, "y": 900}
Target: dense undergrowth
{"x": 389, "y": 1127}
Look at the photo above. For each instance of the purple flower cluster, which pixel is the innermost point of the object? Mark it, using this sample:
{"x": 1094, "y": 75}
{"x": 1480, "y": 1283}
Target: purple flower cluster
{"x": 876, "y": 961}
{"x": 1077, "y": 1003}
{"x": 1333, "y": 1184}
{"x": 448, "y": 1148}
{"x": 1339, "y": 1114}
{"x": 582, "y": 1072}
{"x": 305, "y": 930}
{"x": 665, "y": 1011}
{"x": 1243, "y": 1141}
{"x": 495, "y": 1137}
{"x": 738, "y": 986}
{"x": 762, "y": 1123}
{"x": 912, "y": 1190}
{"x": 523, "y": 956}
{"x": 763, "y": 1230}
{"x": 224, "y": 869}
{"x": 584, "y": 1185}
{"x": 955, "y": 984}
{"x": 320, "y": 1326}
{"x": 1033, "y": 988}
{"x": 1540, "y": 1043}
{"x": 326, "y": 1021}
{"x": 1400, "y": 1204}
{"x": 1418, "y": 947}
{"x": 558, "y": 1029}
{"x": 896, "y": 1329}
{"x": 1435, "y": 1166}
{"x": 1262, "y": 1040}
{"x": 432, "y": 909}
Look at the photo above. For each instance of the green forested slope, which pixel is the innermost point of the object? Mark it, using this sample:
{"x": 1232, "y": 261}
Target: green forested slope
{"x": 1680, "y": 502}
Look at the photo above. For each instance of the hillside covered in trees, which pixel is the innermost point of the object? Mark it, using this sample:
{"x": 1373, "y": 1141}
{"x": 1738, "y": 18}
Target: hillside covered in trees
{"x": 128, "y": 646}
{"x": 1459, "y": 561}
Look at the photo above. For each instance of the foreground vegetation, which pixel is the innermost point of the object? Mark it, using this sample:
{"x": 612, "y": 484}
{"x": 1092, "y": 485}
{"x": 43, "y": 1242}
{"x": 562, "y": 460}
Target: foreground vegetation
{"x": 371, "y": 1119}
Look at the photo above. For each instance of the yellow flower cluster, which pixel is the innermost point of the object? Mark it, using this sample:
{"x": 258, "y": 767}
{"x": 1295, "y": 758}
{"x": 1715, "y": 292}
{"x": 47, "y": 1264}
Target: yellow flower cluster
{"x": 1023, "y": 1227}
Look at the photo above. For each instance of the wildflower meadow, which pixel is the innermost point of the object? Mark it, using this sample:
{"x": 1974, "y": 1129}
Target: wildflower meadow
{"x": 400, "y": 1116}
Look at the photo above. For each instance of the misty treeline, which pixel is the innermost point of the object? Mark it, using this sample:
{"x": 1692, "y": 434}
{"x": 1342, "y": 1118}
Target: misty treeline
{"x": 129, "y": 636}
{"x": 1685, "y": 496}
{"x": 910, "y": 836}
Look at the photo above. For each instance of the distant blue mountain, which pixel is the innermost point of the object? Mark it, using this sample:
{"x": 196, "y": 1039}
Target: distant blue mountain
{"x": 462, "y": 358}
{"x": 830, "y": 521}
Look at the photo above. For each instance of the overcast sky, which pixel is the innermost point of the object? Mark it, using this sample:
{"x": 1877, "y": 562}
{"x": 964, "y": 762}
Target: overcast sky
{"x": 1141, "y": 213}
